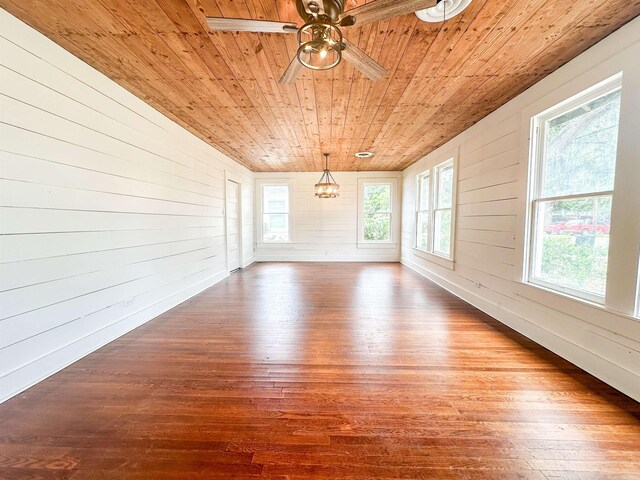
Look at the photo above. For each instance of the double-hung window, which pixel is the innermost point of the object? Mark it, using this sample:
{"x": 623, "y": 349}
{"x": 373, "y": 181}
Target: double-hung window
{"x": 423, "y": 211}
{"x": 434, "y": 210}
{"x": 378, "y": 218}
{"x": 377, "y": 211}
{"x": 275, "y": 213}
{"x": 442, "y": 209}
{"x": 571, "y": 191}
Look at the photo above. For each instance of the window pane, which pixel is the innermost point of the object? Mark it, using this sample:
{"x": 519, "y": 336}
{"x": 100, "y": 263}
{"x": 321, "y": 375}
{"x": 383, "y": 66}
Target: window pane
{"x": 377, "y": 198}
{"x": 571, "y": 245}
{"x": 275, "y": 227}
{"x": 580, "y": 148}
{"x": 276, "y": 206}
{"x": 423, "y": 192}
{"x": 422, "y": 233}
{"x": 276, "y": 199}
{"x": 377, "y": 227}
{"x": 442, "y": 233}
{"x": 445, "y": 187}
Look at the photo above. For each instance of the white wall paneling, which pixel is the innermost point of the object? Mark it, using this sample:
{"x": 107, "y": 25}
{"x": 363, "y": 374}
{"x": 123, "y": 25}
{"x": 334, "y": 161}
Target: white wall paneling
{"x": 491, "y": 221}
{"x": 110, "y": 213}
{"x": 326, "y": 229}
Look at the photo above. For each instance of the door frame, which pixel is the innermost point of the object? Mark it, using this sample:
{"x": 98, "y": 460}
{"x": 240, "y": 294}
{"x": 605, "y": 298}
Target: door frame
{"x": 230, "y": 177}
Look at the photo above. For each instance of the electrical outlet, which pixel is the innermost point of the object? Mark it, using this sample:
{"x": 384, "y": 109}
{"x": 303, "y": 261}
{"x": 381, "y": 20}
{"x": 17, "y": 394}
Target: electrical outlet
{"x": 128, "y": 302}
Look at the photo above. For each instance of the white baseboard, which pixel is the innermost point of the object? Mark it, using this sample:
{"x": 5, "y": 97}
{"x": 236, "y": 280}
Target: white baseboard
{"x": 309, "y": 258}
{"x": 34, "y": 372}
{"x": 610, "y": 373}
{"x": 248, "y": 263}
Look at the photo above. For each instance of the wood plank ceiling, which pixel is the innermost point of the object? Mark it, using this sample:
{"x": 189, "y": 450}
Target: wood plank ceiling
{"x": 443, "y": 77}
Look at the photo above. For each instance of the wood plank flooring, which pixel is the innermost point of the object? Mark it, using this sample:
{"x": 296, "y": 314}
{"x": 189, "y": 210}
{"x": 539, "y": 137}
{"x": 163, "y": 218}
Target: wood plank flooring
{"x": 299, "y": 371}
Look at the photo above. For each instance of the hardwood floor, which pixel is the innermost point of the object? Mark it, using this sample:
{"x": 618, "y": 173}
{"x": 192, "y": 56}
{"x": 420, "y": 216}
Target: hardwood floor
{"x": 297, "y": 371}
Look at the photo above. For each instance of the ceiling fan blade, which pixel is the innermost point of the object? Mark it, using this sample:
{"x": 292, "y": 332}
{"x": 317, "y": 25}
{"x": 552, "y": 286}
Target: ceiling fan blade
{"x": 247, "y": 25}
{"x": 363, "y": 62}
{"x": 382, "y": 9}
{"x": 291, "y": 73}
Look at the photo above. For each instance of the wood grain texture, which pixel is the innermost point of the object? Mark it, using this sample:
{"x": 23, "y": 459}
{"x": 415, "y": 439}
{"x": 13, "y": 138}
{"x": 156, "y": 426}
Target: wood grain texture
{"x": 382, "y": 9}
{"x": 298, "y": 371}
{"x": 223, "y": 86}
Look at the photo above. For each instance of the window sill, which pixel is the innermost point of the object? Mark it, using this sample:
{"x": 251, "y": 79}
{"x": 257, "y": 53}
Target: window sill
{"x": 272, "y": 244}
{"x": 589, "y": 299}
{"x": 434, "y": 258}
{"x": 377, "y": 245}
{"x": 596, "y": 314}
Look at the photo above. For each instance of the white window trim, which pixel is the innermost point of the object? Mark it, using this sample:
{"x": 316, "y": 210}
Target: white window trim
{"x": 395, "y": 213}
{"x": 430, "y": 254}
{"x": 618, "y": 312}
{"x": 260, "y": 184}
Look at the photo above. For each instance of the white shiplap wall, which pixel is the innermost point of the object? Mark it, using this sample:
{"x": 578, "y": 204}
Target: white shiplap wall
{"x": 110, "y": 212}
{"x": 327, "y": 229}
{"x": 491, "y": 197}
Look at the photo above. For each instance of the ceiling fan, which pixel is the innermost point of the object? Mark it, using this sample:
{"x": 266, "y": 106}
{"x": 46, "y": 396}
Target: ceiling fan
{"x": 321, "y": 43}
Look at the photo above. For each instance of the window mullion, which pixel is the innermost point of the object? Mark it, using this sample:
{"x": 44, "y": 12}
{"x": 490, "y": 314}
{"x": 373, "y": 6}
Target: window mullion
{"x": 574, "y": 196}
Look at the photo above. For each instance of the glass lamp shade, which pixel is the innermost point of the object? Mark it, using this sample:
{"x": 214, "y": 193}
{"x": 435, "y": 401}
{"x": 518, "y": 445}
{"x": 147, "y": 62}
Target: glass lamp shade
{"x": 327, "y": 187}
{"x": 327, "y": 190}
{"x": 320, "y": 46}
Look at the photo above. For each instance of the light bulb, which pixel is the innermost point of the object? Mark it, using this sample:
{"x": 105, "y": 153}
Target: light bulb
{"x": 323, "y": 53}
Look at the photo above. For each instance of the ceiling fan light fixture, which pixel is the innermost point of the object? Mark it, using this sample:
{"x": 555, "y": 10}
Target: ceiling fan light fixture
{"x": 327, "y": 187}
{"x": 320, "y": 45}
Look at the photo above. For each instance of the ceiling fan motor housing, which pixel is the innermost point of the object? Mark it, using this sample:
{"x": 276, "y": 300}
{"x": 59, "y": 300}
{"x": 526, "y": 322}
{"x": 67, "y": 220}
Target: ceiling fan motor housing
{"x": 332, "y": 8}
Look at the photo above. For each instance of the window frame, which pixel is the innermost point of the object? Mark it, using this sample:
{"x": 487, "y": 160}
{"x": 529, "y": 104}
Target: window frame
{"x": 261, "y": 210}
{"x": 393, "y": 213}
{"x": 535, "y": 185}
{"x": 433, "y": 184}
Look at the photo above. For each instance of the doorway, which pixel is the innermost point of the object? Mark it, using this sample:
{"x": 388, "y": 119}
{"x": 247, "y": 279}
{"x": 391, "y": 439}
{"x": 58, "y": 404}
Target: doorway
{"x": 233, "y": 226}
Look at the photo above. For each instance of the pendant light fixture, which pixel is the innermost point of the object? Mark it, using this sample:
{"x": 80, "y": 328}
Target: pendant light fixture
{"x": 327, "y": 186}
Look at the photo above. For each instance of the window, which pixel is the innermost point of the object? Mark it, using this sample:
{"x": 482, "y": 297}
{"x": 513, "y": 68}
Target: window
{"x": 442, "y": 209}
{"x": 574, "y": 161}
{"x": 434, "y": 207}
{"x": 378, "y": 223}
{"x": 423, "y": 213}
{"x": 275, "y": 213}
{"x": 377, "y": 211}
